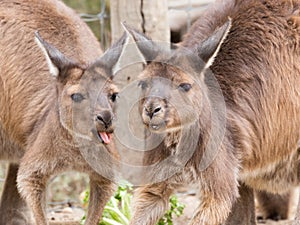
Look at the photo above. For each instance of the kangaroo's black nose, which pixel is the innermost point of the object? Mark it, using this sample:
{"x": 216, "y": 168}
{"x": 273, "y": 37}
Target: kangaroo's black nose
{"x": 152, "y": 110}
{"x": 105, "y": 118}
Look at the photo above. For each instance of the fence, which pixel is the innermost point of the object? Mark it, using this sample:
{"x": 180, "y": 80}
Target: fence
{"x": 182, "y": 13}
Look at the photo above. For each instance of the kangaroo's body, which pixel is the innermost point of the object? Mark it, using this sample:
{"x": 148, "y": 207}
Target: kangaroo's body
{"x": 255, "y": 60}
{"x": 41, "y": 89}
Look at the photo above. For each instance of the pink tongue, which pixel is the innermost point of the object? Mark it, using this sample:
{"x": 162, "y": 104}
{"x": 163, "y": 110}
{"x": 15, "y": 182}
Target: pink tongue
{"x": 105, "y": 137}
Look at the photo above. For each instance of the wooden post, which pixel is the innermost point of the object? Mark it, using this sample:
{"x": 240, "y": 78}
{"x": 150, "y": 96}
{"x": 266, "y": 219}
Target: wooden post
{"x": 148, "y": 16}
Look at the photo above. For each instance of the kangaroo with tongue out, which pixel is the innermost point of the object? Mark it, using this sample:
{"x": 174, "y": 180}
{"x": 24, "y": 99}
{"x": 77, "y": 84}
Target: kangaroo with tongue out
{"x": 104, "y": 123}
{"x": 57, "y": 103}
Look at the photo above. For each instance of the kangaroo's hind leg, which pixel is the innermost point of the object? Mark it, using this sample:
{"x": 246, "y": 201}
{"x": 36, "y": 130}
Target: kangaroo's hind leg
{"x": 243, "y": 210}
{"x": 13, "y": 209}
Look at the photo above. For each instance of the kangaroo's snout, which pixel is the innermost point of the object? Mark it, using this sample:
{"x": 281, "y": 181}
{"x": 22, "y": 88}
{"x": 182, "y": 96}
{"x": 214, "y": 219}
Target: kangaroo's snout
{"x": 105, "y": 119}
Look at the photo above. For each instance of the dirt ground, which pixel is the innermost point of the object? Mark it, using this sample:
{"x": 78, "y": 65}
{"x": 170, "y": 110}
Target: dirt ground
{"x": 66, "y": 212}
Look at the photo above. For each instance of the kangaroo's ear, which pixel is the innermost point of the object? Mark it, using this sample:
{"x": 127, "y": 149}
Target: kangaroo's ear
{"x": 111, "y": 56}
{"x": 59, "y": 65}
{"x": 146, "y": 46}
{"x": 210, "y": 47}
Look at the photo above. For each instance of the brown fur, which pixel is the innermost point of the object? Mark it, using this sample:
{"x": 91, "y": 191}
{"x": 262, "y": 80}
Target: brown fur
{"x": 38, "y": 123}
{"x": 258, "y": 71}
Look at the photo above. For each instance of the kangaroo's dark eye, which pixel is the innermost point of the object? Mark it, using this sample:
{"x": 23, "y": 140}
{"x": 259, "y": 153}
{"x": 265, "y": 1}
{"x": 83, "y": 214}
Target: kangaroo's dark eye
{"x": 77, "y": 97}
{"x": 143, "y": 84}
{"x": 113, "y": 97}
{"x": 185, "y": 87}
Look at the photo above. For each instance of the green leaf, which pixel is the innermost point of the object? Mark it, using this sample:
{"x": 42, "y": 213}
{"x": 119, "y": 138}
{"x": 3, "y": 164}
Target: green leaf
{"x": 125, "y": 204}
{"x": 118, "y": 211}
{"x": 107, "y": 221}
{"x": 117, "y": 215}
